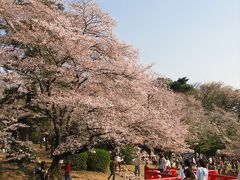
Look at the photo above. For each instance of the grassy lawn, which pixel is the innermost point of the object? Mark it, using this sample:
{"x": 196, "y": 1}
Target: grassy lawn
{"x": 24, "y": 171}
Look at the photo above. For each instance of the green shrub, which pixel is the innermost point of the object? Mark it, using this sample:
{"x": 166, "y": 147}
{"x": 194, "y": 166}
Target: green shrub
{"x": 35, "y": 135}
{"x": 78, "y": 161}
{"x": 98, "y": 161}
{"x": 128, "y": 153}
{"x": 1, "y": 170}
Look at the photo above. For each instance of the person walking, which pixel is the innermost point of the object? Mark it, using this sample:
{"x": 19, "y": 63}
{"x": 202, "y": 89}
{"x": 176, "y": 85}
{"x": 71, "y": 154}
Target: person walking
{"x": 67, "y": 171}
{"x": 112, "y": 167}
{"x": 118, "y": 160}
{"x": 137, "y": 164}
{"x": 202, "y": 171}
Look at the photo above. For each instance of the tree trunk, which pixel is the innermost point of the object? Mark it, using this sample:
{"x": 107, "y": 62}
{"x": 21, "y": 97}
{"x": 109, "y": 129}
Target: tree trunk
{"x": 58, "y": 134}
{"x": 56, "y": 142}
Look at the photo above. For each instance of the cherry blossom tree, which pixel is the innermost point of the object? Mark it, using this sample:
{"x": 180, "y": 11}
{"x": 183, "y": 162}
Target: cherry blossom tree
{"x": 213, "y": 118}
{"x": 74, "y": 71}
{"x": 217, "y": 94}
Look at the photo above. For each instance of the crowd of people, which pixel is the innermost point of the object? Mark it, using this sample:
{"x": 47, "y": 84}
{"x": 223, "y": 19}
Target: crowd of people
{"x": 187, "y": 167}
{"x": 201, "y": 165}
{"x": 224, "y": 166}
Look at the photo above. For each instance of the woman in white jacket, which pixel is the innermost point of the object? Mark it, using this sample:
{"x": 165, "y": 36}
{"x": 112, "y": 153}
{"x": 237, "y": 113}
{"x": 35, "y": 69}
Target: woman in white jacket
{"x": 202, "y": 171}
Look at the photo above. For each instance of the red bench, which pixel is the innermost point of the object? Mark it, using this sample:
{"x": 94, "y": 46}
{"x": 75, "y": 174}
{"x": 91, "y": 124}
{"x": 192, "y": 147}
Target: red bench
{"x": 221, "y": 177}
{"x": 171, "y": 174}
{"x": 155, "y": 174}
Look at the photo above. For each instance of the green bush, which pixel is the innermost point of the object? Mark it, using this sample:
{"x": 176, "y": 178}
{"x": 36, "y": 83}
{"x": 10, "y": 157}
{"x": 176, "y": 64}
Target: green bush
{"x": 98, "y": 161}
{"x": 1, "y": 170}
{"x": 35, "y": 135}
{"x": 128, "y": 153}
{"x": 78, "y": 161}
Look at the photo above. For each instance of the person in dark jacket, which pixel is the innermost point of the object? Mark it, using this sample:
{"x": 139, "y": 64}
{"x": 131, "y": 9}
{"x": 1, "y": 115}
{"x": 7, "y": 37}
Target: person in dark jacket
{"x": 188, "y": 172}
{"x": 112, "y": 167}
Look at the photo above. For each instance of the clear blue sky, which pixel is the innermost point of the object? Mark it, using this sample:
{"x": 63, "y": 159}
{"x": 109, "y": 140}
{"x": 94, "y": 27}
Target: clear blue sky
{"x": 199, "y": 39}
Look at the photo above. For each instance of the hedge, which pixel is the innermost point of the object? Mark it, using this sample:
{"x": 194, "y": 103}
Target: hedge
{"x": 98, "y": 161}
{"x": 78, "y": 161}
{"x": 128, "y": 153}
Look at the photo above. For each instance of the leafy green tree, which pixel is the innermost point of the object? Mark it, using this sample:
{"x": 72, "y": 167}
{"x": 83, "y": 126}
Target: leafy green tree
{"x": 210, "y": 143}
{"x": 129, "y": 153}
{"x": 181, "y": 85}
